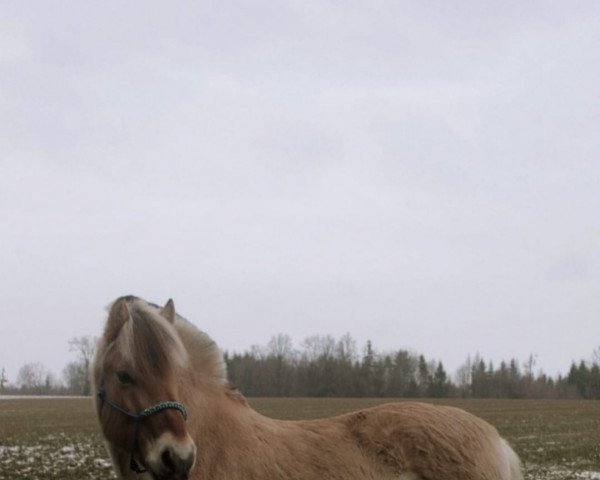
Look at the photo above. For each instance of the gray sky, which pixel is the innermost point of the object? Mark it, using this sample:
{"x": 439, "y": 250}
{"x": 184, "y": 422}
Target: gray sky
{"x": 422, "y": 174}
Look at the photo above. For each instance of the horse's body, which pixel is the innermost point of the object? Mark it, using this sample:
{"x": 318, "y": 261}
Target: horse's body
{"x": 149, "y": 355}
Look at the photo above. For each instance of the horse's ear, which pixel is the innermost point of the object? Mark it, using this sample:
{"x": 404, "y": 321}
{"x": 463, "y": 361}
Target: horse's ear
{"x": 118, "y": 315}
{"x": 168, "y": 311}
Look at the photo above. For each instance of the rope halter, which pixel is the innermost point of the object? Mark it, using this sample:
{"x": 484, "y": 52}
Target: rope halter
{"x": 137, "y": 418}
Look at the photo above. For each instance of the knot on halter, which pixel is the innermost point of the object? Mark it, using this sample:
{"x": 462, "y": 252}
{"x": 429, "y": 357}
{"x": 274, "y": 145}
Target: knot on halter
{"x": 138, "y": 417}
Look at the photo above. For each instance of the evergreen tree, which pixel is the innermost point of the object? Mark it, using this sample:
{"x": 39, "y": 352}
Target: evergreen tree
{"x": 479, "y": 381}
{"x": 402, "y": 374}
{"x": 326, "y": 367}
{"x": 423, "y": 377}
{"x": 439, "y": 385}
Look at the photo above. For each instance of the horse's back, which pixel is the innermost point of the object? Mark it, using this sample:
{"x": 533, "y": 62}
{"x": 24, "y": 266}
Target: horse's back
{"x": 420, "y": 441}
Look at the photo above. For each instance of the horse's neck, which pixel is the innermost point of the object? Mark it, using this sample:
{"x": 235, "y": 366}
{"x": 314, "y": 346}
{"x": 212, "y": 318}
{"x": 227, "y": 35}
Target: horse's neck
{"x": 234, "y": 441}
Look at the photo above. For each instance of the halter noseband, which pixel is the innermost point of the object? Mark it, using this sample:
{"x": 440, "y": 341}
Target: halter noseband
{"x": 145, "y": 413}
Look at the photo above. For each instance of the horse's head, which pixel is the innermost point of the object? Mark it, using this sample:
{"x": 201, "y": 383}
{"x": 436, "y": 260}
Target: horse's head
{"x": 138, "y": 367}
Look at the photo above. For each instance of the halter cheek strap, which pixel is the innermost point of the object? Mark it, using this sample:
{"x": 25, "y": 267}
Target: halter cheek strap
{"x": 137, "y": 418}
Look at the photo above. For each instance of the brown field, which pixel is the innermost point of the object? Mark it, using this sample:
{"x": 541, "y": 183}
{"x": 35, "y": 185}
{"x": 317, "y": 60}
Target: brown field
{"x": 57, "y": 438}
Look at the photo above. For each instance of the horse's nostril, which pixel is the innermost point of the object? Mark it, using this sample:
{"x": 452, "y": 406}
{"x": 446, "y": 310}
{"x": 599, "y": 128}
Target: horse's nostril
{"x": 188, "y": 462}
{"x": 174, "y": 463}
{"x": 167, "y": 459}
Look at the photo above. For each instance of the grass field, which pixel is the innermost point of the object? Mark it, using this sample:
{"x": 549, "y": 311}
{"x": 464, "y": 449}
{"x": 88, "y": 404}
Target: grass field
{"x": 57, "y": 438}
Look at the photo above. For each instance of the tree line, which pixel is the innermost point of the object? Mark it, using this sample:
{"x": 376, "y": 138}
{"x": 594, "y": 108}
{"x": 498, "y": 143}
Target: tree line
{"x": 35, "y": 379}
{"x": 327, "y": 367}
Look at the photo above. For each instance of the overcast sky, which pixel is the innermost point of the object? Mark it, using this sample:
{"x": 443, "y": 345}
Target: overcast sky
{"x": 422, "y": 174}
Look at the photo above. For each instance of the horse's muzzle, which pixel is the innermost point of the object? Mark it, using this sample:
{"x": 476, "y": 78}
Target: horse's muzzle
{"x": 172, "y": 461}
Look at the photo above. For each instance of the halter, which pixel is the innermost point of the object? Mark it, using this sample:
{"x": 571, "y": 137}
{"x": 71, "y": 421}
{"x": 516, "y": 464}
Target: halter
{"x": 145, "y": 413}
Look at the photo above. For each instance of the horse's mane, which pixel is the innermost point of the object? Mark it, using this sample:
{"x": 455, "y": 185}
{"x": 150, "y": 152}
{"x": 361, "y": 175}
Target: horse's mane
{"x": 154, "y": 342}
{"x": 204, "y": 354}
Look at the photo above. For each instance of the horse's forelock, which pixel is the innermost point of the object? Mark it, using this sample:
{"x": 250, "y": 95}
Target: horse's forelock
{"x": 149, "y": 342}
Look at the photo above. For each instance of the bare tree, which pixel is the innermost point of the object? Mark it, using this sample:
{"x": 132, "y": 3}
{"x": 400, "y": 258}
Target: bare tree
{"x": 3, "y": 379}
{"x": 84, "y": 347}
{"x": 529, "y": 365}
{"x": 76, "y": 377}
{"x": 596, "y": 356}
{"x": 317, "y": 346}
{"x": 280, "y": 346}
{"x": 32, "y": 377}
{"x": 346, "y": 348}
{"x": 463, "y": 376}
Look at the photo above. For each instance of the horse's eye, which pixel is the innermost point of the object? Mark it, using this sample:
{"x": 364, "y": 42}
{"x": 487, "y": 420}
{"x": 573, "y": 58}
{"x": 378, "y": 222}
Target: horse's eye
{"x": 124, "y": 377}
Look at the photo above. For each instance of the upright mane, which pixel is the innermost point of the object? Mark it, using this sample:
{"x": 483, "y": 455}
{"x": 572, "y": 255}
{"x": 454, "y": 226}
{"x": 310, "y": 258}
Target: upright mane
{"x": 154, "y": 344}
{"x": 204, "y": 354}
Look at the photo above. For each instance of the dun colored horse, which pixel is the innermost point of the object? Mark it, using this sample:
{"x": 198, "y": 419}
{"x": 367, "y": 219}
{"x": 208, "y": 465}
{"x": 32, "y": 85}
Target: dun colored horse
{"x": 168, "y": 412}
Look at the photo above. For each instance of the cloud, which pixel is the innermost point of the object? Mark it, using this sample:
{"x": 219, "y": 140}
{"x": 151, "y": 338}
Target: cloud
{"x": 424, "y": 176}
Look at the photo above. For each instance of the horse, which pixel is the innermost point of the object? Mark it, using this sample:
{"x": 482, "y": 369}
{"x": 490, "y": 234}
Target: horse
{"x": 168, "y": 412}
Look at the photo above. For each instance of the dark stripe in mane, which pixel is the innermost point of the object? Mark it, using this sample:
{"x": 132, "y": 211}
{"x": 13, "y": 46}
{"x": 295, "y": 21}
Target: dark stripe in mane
{"x": 152, "y": 343}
